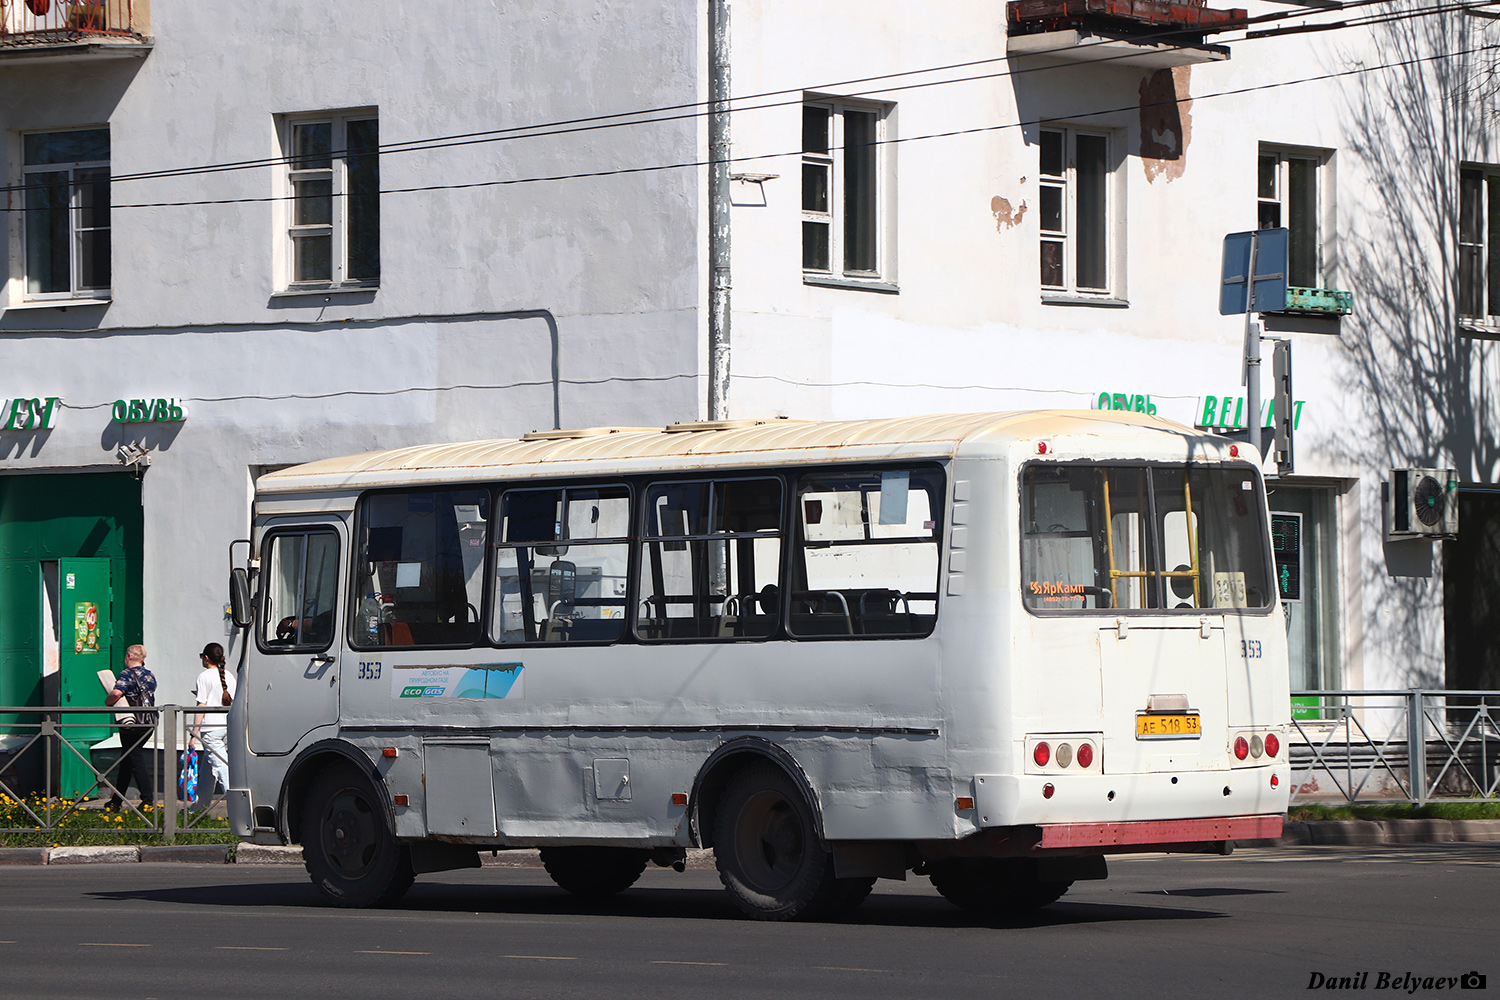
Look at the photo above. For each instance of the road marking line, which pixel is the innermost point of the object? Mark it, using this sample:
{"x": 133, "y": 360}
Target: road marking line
{"x": 109, "y": 944}
{"x": 667, "y": 962}
{"x": 393, "y": 953}
{"x": 546, "y": 958}
{"x": 243, "y": 947}
{"x": 843, "y": 968}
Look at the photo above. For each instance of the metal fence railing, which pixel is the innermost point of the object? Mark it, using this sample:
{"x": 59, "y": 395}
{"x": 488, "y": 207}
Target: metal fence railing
{"x": 43, "y": 22}
{"x": 58, "y": 765}
{"x": 1414, "y": 746}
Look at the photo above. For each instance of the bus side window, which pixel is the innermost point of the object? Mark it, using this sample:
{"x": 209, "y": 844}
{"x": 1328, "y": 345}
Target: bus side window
{"x": 561, "y": 565}
{"x": 866, "y": 559}
{"x": 419, "y": 563}
{"x": 301, "y": 585}
{"x": 711, "y": 560}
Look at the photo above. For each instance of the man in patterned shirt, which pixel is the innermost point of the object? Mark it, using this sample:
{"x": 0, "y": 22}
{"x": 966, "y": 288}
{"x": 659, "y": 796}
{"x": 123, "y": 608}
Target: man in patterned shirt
{"x": 137, "y": 686}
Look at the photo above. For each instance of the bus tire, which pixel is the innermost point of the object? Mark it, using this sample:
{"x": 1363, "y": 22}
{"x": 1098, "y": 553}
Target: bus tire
{"x": 350, "y": 851}
{"x": 594, "y": 871}
{"x": 767, "y": 848}
{"x": 852, "y": 892}
{"x": 994, "y": 885}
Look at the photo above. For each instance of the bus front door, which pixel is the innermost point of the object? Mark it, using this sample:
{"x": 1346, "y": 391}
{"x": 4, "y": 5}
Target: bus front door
{"x": 292, "y": 684}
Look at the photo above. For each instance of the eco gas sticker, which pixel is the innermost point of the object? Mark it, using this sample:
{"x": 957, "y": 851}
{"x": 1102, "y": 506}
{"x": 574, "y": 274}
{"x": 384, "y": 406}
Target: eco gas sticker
{"x": 478, "y": 680}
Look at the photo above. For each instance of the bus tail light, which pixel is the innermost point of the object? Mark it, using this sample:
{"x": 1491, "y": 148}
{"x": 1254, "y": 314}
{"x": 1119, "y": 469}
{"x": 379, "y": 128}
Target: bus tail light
{"x": 1273, "y": 745}
{"x": 1041, "y": 754}
{"x": 1241, "y": 748}
{"x": 1275, "y": 781}
{"x": 1064, "y": 754}
{"x": 1257, "y": 747}
{"x": 1085, "y": 754}
{"x": 1048, "y": 790}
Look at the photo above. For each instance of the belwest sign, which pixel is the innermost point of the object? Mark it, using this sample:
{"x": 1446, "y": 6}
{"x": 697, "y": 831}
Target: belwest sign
{"x": 29, "y": 414}
{"x": 1216, "y": 413}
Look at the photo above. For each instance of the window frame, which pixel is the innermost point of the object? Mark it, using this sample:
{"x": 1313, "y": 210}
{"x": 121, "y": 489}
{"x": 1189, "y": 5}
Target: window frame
{"x": 1289, "y": 215}
{"x": 833, "y": 161}
{"x": 1486, "y": 249}
{"x": 270, "y": 538}
{"x": 642, "y": 537}
{"x": 796, "y": 543}
{"x": 341, "y": 193}
{"x": 355, "y": 584}
{"x": 1068, "y": 234}
{"x": 496, "y": 543}
{"x": 74, "y": 210}
{"x": 1155, "y": 548}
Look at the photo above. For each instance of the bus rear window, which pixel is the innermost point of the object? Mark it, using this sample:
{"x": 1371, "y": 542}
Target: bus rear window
{"x": 1163, "y": 537}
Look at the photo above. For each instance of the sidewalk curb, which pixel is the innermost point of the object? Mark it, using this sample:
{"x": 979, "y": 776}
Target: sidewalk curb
{"x": 264, "y": 854}
{"x": 197, "y": 854}
{"x": 93, "y": 855}
{"x": 1383, "y": 833}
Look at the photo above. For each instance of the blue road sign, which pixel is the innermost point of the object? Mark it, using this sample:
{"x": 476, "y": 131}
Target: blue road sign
{"x": 1270, "y": 272}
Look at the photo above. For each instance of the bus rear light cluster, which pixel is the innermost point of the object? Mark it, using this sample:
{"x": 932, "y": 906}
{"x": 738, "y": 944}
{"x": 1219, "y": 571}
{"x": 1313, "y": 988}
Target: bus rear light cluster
{"x": 1255, "y": 747}
{"x": 1065, "y": 754}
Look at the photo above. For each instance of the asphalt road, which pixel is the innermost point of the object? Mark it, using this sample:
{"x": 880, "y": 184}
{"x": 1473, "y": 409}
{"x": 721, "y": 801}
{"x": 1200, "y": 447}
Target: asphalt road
{"x": 1254, "y": 925}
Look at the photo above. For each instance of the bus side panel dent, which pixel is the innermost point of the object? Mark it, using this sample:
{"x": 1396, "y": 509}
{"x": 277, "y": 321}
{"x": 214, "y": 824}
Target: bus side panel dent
{"x": 241, "y": 820}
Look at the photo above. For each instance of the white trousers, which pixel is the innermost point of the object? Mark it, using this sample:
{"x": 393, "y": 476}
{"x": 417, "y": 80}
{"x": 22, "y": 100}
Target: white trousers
{"x": 215, "y": 755}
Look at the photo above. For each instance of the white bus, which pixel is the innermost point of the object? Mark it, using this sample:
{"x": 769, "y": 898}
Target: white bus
{"x": 987, "y": 648}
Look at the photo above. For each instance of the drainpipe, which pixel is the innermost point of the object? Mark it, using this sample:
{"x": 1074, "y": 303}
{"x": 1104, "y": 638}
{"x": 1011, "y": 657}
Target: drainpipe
{"x": 718, "y": 200}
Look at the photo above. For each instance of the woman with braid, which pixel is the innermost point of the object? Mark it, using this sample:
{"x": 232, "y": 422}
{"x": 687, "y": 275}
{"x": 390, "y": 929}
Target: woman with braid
{"x": 215, "y": 687}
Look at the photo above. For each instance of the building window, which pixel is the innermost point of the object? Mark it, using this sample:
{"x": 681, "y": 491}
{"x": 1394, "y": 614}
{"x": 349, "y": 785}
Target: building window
{"x": 1287, "y": 196}
{"x": 333, "y": 200}
{"x": 841, "y": 188}
{"x": 1076, "y": 206}
{"x": 1478, "y": 240}
{"x": 65, "y": 176}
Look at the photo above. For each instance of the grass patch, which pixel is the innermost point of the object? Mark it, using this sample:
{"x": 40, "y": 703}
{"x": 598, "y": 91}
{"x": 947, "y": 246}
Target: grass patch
{"x": 90, "y": 827}
{"x": 1433, "y": 810}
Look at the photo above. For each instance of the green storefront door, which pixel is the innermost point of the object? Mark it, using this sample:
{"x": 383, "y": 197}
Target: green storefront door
{"x": 86, "y": 646}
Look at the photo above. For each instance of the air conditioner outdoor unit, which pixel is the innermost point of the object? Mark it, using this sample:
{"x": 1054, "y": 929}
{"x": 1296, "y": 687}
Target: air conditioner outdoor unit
{"x": 1422, "y": 503}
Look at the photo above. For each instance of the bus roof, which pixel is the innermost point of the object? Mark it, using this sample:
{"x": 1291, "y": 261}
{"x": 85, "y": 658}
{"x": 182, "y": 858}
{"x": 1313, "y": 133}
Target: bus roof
{"x": 724, "y": 444}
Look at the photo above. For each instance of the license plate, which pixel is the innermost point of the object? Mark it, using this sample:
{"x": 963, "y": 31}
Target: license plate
{"x": 1167, "y": 725}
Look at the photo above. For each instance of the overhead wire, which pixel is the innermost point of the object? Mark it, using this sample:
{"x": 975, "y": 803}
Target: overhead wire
{"x": 897, "y": 140}
{"x": 739, "y": 105}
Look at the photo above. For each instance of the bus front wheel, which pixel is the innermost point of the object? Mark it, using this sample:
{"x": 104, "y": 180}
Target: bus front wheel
{"x": 594, "y": 871}
{"x": 994, "y": 885}
{"x": 768, "y": 852}
{"x": 351, "y": 853}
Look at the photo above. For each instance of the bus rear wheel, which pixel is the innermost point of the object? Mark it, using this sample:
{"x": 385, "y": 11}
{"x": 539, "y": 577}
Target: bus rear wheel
{"x": 768, "y": 852}
{"x": 594, "y": 871}
{"x": 351, "y": 853}
{"x": 994, "y": 885}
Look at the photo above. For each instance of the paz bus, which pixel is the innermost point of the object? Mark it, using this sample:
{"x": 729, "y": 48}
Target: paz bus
{"x": 991, "y": 649}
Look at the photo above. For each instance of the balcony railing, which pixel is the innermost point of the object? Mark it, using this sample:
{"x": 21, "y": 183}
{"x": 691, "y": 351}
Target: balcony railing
{"x": 42, "y": 24}
{"x": 1193, "y": 17}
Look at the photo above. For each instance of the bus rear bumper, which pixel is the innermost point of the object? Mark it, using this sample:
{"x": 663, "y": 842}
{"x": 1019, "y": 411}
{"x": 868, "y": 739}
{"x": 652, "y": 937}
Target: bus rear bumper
{"x": 1156, "y": 834}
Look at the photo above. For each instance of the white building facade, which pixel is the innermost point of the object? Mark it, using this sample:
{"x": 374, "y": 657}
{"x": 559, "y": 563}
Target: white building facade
{"x": 242, "y": 238}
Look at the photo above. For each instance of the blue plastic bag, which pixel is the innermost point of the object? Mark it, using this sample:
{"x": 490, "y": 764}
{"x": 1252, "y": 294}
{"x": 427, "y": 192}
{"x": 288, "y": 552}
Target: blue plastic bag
{"x": 187, "y": 782}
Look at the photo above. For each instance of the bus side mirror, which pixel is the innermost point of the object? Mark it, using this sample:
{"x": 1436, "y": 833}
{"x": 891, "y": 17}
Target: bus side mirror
{"x": 239, "y": 598}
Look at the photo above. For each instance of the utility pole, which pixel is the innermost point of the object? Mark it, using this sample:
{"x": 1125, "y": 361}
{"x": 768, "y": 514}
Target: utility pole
{"x": 718, "y": 199}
